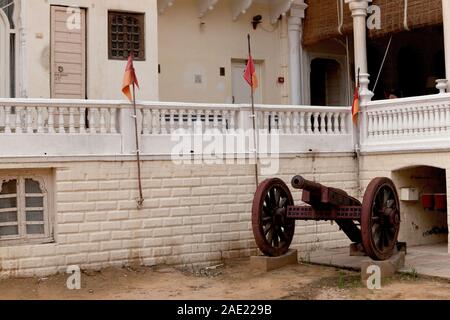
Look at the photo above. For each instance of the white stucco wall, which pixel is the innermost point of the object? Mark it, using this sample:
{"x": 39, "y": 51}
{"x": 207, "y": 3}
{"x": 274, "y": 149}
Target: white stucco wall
{"x": 104, "y": 77}
{"x": 187, "y": 48}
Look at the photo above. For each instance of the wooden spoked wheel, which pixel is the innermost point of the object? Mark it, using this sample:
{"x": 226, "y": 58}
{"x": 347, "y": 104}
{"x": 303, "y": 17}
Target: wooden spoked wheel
{"x": 380, "y": 219}
{"x": 272, "y": 229}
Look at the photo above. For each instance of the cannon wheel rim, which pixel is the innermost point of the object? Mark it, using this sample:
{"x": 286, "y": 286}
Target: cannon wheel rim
{"x": 380, "y": 219}
{"x": 272, "y": 195}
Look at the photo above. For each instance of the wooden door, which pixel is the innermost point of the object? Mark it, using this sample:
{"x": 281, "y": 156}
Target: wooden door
{"x": 68, "y": 53}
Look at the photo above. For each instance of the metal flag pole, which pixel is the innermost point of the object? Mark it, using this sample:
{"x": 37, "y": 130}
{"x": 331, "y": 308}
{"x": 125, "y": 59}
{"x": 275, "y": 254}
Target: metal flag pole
{"x": 253, "y": 116}
{"x": 138, "y": 151}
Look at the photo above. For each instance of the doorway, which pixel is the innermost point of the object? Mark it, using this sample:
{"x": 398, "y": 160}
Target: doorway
{"x": 326, "y": 75}
{"x": 241, "y": 89}
{"x": 68, "y": 54}
{"x": 423, "y": 195}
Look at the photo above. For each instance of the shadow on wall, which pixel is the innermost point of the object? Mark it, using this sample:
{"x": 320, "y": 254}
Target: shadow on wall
{"x": 423, "y": 194}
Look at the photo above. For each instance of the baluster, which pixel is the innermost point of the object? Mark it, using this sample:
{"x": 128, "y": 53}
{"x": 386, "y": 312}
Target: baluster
{"x": 102, "y": 120}
{"x": 39, "y": 120}
{"x": 29, "y": 119}
{"x": 390, "y": 123}
{"x": 447, "y": 117}
{"x": 51, "y": 120}
{"x": 273, "y": 123}
{"x": 287, "y": 122}
{"x": 329, "y": 123}
{"x": 208, "y": 123}
{"x": 146, "y": 126}
{"x": 71, "y": 120}
{"x": 427, "y": 120}
{"x": 7, "y": 117}
{"x": 181, "y": 124}
{"x": 225, "y": 117}
{"x": 419, "y": 129}
{"x": 296, "y": 122}
{"x": 385, "y": 123}
{"x": 216, "y": 120}
{"x": 308, "y": 120}
{"x": 400, "y": 121}
{"x": 266, "y": 121}
{"x": 415, "y": 125}
{"x": 370, "y": 124}
{"x": 163, "y": 121}
{"x": 18, "y": 121}
{"x": 92, "y": 120}
{"x": 172, "y": 121}
{"x": 112, "y": 124}
{"x": 336, "y": 129}
{"x": 442, "y": 117}
{"x": 323, "y": 123}
{"x": 83, "y": 120}
{"x": 190, "y": 126}
{"x": 156, "y": 121}
{"x": 233, "y": 120}
{"x": 316, "y": 122}
{"x": 435, "y": 119}
{"x": 302, "y": 122}
{"x": 61, "y": 128}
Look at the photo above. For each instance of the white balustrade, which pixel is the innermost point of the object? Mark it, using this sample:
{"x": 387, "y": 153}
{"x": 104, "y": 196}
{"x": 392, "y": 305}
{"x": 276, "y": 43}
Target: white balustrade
{"x": 107, "y": 127}
{"x": 407, "y": 124}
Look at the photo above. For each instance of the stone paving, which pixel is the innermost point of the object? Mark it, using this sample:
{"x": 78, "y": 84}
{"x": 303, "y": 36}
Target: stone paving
{"x": 433, "y": 260}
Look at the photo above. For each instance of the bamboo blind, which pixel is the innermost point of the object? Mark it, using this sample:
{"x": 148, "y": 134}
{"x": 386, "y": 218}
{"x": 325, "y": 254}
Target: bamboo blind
{"x": 321, "y": 21}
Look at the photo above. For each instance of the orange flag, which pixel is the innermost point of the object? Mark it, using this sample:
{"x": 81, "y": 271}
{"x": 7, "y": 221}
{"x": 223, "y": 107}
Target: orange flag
{"x": 250, "y": 74}
{"x": 355, "y": 106}
{"x": 129, "y": 79}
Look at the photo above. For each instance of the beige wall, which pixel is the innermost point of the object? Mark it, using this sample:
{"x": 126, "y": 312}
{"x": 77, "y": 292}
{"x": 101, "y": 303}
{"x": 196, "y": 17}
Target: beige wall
{"x": 192, "y": 214}
{"x": 187, "y": 49}
{"x": 104, "y": 77}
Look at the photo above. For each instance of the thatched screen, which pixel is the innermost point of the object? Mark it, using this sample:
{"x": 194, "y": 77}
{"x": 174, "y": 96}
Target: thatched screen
{"x": 322, "y": 20}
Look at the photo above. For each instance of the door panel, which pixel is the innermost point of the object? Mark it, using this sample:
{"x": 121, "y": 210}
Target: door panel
{"x": 68, "y": 55}
{"x": 241, "y": 89}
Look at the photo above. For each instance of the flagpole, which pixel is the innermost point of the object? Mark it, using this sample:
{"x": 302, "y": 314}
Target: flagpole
{"x": 253, "y": 116}
{"x": 138, "y": 151}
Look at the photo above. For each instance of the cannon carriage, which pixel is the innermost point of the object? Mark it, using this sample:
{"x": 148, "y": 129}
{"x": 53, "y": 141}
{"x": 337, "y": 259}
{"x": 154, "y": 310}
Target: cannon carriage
{"x": 372, "y": 225}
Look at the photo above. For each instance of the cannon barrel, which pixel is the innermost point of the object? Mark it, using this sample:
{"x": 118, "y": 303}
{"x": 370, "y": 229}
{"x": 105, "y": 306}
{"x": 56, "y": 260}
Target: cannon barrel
{"x": 298, "y": 182}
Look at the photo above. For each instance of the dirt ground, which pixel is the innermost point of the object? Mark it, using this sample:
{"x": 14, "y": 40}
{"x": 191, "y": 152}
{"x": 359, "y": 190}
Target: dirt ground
{"x": 231, "y": 281}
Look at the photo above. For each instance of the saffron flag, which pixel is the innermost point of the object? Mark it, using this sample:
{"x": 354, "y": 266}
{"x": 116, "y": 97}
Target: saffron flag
{"x": 250, "y": 74}
{"x": 129, "y": 79}
{"x": 355, "y": 106}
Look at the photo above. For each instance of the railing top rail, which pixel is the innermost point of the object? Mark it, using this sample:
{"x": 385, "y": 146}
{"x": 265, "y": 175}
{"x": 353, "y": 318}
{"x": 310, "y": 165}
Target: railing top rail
{"x": 435, "y": 98}
{"x": 161, "y": 105}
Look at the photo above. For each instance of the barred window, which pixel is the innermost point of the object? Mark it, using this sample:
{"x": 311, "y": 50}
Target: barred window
{"x": 126, "y": 35}
{"x": 24, "y": 208}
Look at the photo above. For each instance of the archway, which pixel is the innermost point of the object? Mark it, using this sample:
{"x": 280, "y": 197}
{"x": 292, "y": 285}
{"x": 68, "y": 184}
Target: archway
{"x": 423, "y": 194}
{"x": 4, "y": 54}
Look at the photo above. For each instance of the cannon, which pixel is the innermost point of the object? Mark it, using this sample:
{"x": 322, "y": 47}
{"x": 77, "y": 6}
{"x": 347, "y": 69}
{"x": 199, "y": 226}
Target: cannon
{"x": 372, "y": 225}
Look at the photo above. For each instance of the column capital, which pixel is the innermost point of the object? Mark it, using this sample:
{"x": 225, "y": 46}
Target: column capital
{"x": 298, "y": 9}
{"x": 358, "y": 7}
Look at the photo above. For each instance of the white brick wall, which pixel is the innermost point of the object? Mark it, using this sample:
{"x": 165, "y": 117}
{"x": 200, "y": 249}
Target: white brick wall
{"x": 193, "y": 214}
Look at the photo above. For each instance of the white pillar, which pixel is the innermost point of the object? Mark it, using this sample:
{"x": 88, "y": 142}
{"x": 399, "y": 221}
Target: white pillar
{"x": 295, "y": 32}
{"x": 359, "y": 14}
{"x": 446, "y": 22}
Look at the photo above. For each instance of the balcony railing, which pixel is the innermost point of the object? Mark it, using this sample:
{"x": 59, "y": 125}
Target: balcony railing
{"x": 409, "y": 124}
{"x": 43, "y": 127}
